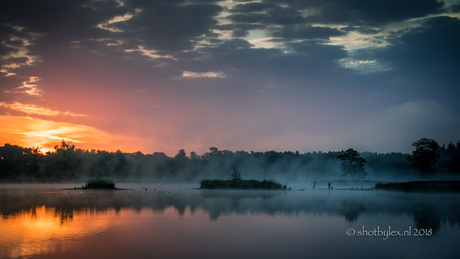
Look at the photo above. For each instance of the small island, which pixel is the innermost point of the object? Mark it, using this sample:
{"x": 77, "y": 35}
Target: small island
{"x": 96, "y": 185}
{"x": 421, "y": 186}
{"x": 235, "y": 182}
{"x": 99, "y": 184}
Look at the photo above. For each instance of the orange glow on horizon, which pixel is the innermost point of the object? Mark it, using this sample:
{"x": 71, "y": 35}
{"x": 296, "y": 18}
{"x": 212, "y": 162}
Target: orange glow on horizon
{"x": 33, "y": 132}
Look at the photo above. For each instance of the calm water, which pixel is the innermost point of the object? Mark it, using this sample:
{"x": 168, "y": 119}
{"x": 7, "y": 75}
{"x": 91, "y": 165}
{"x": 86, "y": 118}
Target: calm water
{"x": 176, "y": 221}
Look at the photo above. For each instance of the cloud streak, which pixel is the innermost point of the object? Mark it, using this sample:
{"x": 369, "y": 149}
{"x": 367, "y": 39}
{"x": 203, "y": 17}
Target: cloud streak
{"x": 188, "y": 74}
{"x": 31, "y": 109}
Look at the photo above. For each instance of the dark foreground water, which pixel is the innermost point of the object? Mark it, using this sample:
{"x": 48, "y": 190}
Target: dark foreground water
{"x": 176, "y": 221}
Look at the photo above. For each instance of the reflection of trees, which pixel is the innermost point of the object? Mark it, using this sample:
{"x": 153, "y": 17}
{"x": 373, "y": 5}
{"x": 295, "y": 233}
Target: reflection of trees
{"x": 65, "y": 216}
{"x": 426, "y": 217}
{"x": 428, "y": 210}
{"x": 351, "y": 210}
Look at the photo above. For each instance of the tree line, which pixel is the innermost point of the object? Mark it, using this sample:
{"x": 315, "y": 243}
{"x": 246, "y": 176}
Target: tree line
{"x": 67, "y": 163}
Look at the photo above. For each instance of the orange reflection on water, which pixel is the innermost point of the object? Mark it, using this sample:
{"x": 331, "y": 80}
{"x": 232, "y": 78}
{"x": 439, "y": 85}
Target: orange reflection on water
{"x": 46, "y": 230}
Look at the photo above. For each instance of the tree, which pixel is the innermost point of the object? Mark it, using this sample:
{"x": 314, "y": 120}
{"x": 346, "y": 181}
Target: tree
{"x": 236, "y": 175}
{"x": 66, "y": 161}
{"x": 19, "y": 162}
{"x": 425, "y": 155}
{"x": 180, "y": 161}
{"x": 352, "y": 163}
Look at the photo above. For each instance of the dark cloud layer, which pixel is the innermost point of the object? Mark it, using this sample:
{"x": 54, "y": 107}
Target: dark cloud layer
{"x": 74, "y": 19}
{"x": 427, "y": 57}
{"x": 306, "y": 32}
{"x": 170, "y": 25}
{"x": 364, "y": 12}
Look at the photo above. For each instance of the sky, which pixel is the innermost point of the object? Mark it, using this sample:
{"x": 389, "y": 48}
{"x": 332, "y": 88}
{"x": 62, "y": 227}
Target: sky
{"x": 283, "y": 75}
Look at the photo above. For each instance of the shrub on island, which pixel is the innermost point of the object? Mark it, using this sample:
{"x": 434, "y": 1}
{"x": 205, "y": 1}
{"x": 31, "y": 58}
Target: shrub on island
{"x": 99, "y": 184}
{"x": 241, "y": 184}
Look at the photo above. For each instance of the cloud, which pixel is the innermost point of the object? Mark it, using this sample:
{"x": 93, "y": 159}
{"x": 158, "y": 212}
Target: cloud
{"x": 431, "y": 45}
{"x": 28, "y": 87}
{"x": 357, "y": 12}
{"x": 110, "y": 25}
{"x": 355, "y": 40}
{"x": 305, "y": 31}
{"x": 265, "y": 13}
{"x": 363, "y": 66}
{"x": 188, "y": 74}
{"x": 423, "y": 61}
{"x": 153, "y": 54}
{"x": 15, "y": 48}
{"x": 344, "y": 21}
{"x": 169, "y": 26}
{"x": 343, "y": 60}
{"x": 32, "y": 109}
{"x": 58, "y": 20}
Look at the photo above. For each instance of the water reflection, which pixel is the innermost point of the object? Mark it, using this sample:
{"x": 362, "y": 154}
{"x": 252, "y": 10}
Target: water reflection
{"x": 43, "y": 230}
{"x": 47, "y": 220}
{"x": 427, "y": 210}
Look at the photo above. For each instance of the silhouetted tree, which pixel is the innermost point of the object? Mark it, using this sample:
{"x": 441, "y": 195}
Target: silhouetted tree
{"x": 235, "y": 176}
{"x": 181, "y": 155}
{"x": 121, "y": 165}
{"x": 18, "y": 162}
{"x": 66, "y": 161}
{"x": 450, "y": 158}
{"x": 352, "y": 163}
{"x": 179, "y": 162}
{"x": 194, "y": 156}
{"x": 425, "y": 155}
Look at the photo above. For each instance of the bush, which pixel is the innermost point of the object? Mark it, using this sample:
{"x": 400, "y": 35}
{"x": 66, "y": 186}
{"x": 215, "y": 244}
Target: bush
{"x": 99, "y": 184}
{"x": 241, "y": 184}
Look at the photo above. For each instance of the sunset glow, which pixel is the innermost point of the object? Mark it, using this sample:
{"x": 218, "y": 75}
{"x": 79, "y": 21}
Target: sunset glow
{"x": 33, "y": 132}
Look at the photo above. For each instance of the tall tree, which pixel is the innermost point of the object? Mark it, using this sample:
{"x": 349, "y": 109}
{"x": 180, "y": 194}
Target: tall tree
{"x": 66, "y": 161}
{"x": 352, "y": 164}
{"x": 425, "y": 155}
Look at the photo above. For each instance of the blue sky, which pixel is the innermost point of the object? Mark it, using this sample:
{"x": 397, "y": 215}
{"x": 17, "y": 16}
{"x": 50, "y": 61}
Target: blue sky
{"x": 158, "y": 76}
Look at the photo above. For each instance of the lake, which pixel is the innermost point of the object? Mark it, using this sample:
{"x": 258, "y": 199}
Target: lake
{"x": 178, "y": 221}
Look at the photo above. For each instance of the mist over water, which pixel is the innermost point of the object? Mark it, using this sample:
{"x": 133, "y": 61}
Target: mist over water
{"x": 177, "y": 221}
